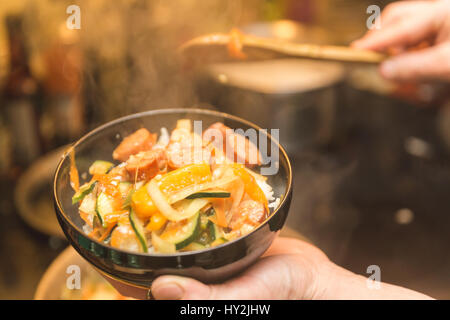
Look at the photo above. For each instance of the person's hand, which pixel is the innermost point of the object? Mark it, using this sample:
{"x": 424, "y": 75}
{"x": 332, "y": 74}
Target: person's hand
{"x": 290, "y": 269}
{"x": 409, "y": 24}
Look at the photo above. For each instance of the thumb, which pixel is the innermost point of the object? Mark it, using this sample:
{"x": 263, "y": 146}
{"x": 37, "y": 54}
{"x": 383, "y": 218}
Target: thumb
{"x": 418, "y": 65}
{"x": 271, "y": 278}
{"x": 181, "y": 288}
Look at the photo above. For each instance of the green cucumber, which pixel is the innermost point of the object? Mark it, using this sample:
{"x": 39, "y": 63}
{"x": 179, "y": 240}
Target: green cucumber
{"x": 88, "y": 204}
{"x": 104, "y": 206}
{"x": 183, "y": 235}
{"x": 84, "y": 190}
{"x": 204, "y": 222}
{"x": 218, "y": 242}
{"x": 194, "y": 246}
{"x": 126, "y": 190}
{"x": 100, "y": 167}
{"x": 138, "y": 228}
{"x": 209, "y": 194}
{"x": 214, "y": 231}
{"x": 162, "y": 246}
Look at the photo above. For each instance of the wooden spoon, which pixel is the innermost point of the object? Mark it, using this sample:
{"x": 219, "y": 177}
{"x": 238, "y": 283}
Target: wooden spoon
{"x": 216, "y": 48}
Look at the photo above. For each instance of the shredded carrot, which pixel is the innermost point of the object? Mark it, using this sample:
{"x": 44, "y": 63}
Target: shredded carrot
{"x": 103, "y": 237}
{"x": 219, "y": 208}
{"x": 94, "y": 232}
{"x": 85, "y": 217}
{"x": 74, "y": 177}
{"x": 235, "y": 45}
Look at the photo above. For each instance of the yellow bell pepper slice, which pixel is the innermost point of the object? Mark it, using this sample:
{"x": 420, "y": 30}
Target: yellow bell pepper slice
{"x": 157, "y": 221}
{"x": 251, "y": 187}
{"x": 169, "y": 183}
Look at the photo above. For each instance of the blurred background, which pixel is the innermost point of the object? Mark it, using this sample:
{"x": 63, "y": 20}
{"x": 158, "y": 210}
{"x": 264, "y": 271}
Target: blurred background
{"x": 371, "y": 158}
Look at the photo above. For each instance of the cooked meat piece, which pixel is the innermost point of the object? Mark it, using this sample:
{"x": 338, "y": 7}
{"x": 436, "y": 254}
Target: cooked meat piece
{"x": 250, "y": 213}
{"x": 141, "y": 140}
{"x": 180, "y": 154}
{"x": 147, "y": 164}
{"x": 243, "y": 150}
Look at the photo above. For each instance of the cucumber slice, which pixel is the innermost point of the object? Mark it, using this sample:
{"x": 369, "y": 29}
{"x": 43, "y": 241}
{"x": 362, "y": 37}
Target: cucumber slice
{"x": 218, "y": 242}
{"x": 88, "y": 204}
{"x": 100, "y": 167}
{"x": 84, "y": 190}
{"x": 105, "y": 205}
{"x": 138, "y": 228}
{"x": 214, "y": 231}
{"x": 210, "y": 194}
{"x": 108, "y": 237}
{"x": 194, "y": 246}
{"x": 182, "y": 233}
{"x": 161, "y": 245}
{"x": 126, "y": 190}
{"x": 204, "y": 222}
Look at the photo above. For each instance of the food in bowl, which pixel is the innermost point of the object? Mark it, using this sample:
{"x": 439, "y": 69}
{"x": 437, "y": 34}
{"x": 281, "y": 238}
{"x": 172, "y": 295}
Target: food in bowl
{"x": 177, "y": 192}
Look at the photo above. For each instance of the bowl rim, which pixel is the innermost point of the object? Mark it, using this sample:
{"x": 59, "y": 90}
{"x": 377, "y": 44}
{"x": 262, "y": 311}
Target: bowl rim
{"x": 111, "y": 123}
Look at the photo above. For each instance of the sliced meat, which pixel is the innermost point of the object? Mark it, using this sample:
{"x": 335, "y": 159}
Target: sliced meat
{"x": 120, "y": 172}
{"x": 249, "y": 213}
{"x": 242, "y": 150}
{"x": 180, "y": 154}
{"x": 147, "y": 164}
{"x": 141, "y": 140}
{"x": 182, "y": 130}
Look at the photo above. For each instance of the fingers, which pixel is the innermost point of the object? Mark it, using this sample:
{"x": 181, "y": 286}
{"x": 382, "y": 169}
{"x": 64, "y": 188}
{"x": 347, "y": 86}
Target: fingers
{"x": 288, "y": 270}
{"x": 180, "y": 288}
{"x": 403, "y": 25}
{"x": 270, "y": 281}
{"x": 425, "y": 64}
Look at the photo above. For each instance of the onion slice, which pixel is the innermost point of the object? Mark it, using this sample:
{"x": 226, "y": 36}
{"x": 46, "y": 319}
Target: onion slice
{"x": 188, "y": 208}
{"x": 183, "y": 194}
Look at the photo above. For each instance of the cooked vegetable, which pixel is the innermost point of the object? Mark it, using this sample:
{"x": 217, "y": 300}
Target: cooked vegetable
{"x": 182, "y": 233}
{"x": 157, "y": 221}
{"x": 105, "y": 206}
{"x": 138, "y": 228}
{"x": 100, "y": 167}
{"x": 88, "y": 204}
{"x": 73, "y": 173}
{"x": 124, "y": 237}
{"x": 169, "y": 183}
{"x": 214, "y": 231}
{"x": 251, "y": 187}
{"x": 184, "y": 210}
{"x": 218, "y": 242}
{"x": 186, "y": 192}
{"x": 194, "y": 246}
{"x": 83, "y": 191}
{"x": 161, "y": 245}
{"x": 209, "y": 194}
{"x": 181, "y": 194}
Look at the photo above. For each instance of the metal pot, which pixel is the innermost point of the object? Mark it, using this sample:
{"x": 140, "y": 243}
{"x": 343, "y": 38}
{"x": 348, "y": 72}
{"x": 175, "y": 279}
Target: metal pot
{"x": 296, "y": 96}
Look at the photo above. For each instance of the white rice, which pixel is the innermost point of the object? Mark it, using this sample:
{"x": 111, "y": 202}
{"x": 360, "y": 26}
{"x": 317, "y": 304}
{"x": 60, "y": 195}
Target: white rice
{"x": 268, "y": 192}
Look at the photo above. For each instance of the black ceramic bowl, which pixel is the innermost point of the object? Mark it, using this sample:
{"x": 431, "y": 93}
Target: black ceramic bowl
{"x": 139, "y": 269}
